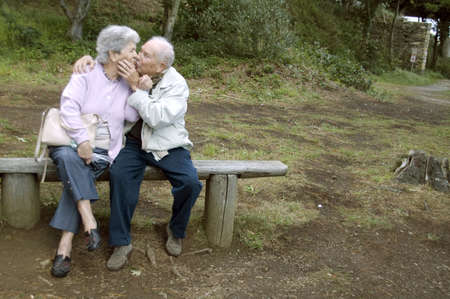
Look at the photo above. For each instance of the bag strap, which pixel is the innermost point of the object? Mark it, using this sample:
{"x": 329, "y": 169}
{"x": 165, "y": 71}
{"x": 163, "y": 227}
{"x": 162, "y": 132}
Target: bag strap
{"x": 44, "y": 173}
{"x": 39, "y": 139}
{"x": 38, "y": 146}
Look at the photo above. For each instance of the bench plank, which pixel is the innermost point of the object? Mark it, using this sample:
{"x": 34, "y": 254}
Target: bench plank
{"x": 241, "y": 168}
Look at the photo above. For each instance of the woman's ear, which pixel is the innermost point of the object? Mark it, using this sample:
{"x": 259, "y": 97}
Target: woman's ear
{"x": 113, "y": 56}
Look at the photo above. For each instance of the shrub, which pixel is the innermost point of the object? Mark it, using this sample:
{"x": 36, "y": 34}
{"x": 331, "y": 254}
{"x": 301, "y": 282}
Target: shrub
{"x": 443, "y": 66}
{"x": 246, "y": 28}
{"x": 338, "y": 67}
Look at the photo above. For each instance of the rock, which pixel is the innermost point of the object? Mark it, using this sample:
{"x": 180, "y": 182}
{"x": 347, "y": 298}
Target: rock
{"x": 45, "y": 263}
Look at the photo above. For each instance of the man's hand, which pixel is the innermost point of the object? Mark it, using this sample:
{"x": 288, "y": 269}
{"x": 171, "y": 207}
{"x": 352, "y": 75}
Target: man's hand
{"x": 85, "y": 152}
{"x": 145, "y": 83}
{"x": 128, "y": 71}
{"x": 83, "y": 65}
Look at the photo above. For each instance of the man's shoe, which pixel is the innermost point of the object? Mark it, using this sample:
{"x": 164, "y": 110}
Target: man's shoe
{"x": 61, "y": 266}
{"x": 119, "y": 257}
{"x": 173, "y": 245}
{"x": 93, "y": 239}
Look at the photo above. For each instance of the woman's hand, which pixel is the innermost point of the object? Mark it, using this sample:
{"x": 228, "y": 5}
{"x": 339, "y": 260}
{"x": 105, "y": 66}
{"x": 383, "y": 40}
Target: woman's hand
{"x": 80, "y": 65}
{"x": 128, "y": 72}
{"x": 145, "y": 83}
{"x": 85, "y": 152}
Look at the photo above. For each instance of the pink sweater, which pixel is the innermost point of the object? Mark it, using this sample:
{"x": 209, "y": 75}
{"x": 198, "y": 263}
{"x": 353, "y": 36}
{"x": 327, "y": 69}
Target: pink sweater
{"x": 93, "y": 92}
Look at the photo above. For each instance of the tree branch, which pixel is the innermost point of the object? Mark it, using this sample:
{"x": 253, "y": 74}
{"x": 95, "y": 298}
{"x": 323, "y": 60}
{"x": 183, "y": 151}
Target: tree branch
{"x": 66, "y": 9}
{"x": 83, "y": 8}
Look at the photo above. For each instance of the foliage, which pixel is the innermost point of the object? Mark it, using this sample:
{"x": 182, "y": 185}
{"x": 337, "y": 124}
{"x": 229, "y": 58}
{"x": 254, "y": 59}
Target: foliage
{"x": 246, "y": 28}
{"x": 443, "y": 66}
{"x": 327, "y": 23}
{"x": 18, "y": 34}
{"x": 337, "y": 67}
{"x": 101, "y": 14}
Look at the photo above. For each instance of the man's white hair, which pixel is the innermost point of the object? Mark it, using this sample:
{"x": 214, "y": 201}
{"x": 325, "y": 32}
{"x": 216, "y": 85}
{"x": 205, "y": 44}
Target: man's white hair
{"x": 165, "y": 52}
{"x": 114, "y": 38}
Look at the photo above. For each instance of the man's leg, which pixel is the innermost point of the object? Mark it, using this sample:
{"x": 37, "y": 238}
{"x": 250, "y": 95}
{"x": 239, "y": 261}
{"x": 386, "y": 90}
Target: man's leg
{"x": 126, "y": 176}
{"x": 186, "y": 187}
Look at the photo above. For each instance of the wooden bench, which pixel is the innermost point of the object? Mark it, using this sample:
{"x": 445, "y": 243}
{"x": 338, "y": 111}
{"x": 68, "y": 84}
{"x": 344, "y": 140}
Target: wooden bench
{"x": 20, "y": 205}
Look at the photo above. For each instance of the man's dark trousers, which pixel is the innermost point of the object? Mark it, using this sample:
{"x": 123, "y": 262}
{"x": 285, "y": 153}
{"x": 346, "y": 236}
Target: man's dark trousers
{"x": 126, "y": 175}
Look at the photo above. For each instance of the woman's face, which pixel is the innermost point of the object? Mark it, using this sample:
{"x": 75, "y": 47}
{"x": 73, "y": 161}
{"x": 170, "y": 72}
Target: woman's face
{"x": 127, "y": 53}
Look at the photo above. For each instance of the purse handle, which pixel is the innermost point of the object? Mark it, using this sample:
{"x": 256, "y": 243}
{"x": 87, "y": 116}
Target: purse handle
{"x": 39, "y": 139}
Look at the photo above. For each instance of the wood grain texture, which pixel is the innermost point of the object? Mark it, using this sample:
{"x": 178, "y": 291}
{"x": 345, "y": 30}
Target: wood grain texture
{"x": 221, "y": 197}
{"x": 205, "y": 168}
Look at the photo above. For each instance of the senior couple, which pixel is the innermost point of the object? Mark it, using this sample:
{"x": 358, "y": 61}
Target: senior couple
{"x": 139, "y": 96}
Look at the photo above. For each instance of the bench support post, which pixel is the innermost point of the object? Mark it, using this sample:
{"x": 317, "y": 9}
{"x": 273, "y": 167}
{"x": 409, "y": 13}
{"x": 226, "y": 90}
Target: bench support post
{"x": 221, "y": 199}
{"x": 20, "y": 199}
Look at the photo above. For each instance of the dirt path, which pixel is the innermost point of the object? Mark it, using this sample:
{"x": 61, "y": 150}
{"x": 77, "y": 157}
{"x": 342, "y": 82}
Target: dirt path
{"x": 438, "y": 93}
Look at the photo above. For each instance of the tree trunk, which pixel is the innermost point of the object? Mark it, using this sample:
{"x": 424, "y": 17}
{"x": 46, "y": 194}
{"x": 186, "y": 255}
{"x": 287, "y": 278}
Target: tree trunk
{"x": 76, "y": 31}
{"x": 391, "y": 38}
{"x": 368, "y": 22}
{"x": 435, "y": 48}
{"x": 76, "y": 18}
{"x": 170, "y": 16}
{"x": 443, "y": 33}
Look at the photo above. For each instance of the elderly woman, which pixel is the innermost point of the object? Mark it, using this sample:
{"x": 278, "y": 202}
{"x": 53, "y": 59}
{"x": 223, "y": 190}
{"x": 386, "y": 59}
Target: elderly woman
{"x": 103, "y": 92}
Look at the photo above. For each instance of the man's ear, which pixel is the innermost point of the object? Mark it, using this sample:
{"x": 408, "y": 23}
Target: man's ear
{"x": 163, "y": 66}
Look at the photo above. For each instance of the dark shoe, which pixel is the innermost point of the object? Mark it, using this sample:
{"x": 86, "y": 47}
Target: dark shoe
{"x": 119, "y": 257}
{"x": 173, "y": 245}
{"x": 93, "y": 239}
{"x": 61, "y": 266}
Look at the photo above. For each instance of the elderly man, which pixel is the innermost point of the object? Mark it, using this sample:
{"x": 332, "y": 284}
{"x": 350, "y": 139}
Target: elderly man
{"x": 158, "y": 139}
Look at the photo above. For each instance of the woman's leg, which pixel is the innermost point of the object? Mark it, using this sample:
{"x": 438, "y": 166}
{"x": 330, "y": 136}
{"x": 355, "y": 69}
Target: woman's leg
{"x": 87, "y": 217}
{"x": 78, "y": 190}
{"x": 65, "y": 244}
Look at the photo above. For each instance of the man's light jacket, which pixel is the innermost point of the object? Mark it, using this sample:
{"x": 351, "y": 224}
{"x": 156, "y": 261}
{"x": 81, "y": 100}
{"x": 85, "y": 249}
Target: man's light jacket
{"x": 163, "y": 113}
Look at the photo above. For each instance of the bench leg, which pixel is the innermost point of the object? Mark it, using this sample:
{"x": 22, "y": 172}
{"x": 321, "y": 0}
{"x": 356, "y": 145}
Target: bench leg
{"x": 220, "y": 205}
{"x": 20, "y": 199}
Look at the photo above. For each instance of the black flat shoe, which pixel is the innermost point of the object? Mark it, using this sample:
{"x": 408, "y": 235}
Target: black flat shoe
{"x": 61, "y": 266}
{"x": 93, "y": 239}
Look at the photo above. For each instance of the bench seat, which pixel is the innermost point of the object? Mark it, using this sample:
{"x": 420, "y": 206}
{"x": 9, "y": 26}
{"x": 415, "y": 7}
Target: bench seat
{"x": 20, "y": 205}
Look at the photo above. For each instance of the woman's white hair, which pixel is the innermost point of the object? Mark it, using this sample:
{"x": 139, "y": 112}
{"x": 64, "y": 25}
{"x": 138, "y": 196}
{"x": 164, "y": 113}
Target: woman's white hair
{"x": 165, "y": 52}
{"x": 114, "y": 38}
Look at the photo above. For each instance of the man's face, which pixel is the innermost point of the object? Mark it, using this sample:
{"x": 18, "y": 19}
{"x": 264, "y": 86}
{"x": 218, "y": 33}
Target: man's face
{"x": 148, "y": 63}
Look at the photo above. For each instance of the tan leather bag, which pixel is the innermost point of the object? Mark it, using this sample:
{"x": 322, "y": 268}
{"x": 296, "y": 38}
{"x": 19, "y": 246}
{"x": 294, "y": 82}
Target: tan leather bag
{"x": 53, "y": 132}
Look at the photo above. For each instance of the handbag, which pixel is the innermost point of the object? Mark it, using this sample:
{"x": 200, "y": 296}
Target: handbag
{"x": 53, "y": 132}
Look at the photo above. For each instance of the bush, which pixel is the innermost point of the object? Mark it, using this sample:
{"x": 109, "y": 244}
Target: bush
{"x": 338, "y": 67}
{"x": 245, "y": 28}
{"x": 443, "y": 67}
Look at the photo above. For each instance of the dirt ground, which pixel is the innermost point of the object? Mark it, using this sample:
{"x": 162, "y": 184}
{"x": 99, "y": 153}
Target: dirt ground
{"x": 321, "y": 259}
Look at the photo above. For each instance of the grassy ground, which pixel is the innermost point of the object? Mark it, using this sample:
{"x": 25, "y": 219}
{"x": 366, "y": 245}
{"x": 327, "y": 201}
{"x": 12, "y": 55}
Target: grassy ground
{"x": 335, "y": 226}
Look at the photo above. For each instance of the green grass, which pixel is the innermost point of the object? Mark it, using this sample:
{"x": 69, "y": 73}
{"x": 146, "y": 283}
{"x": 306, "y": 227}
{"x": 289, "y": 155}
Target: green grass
{"x": 366, "y": 220}
{"x": 257, "y": 225}
{"x": 404, "y": 77}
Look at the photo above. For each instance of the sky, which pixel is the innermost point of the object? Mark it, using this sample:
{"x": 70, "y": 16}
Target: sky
{"x": 431, "y": 21}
